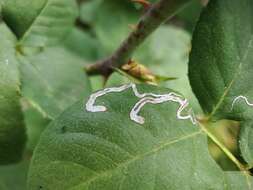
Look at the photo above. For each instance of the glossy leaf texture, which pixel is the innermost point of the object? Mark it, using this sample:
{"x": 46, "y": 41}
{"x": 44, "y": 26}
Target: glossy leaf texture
{"x": 39, "y": 23}
{"x": 53, "y": 80}
{"x": 107, "y": 150}
{"x": 12, "y": 130}
{"x": 221, "y": 67}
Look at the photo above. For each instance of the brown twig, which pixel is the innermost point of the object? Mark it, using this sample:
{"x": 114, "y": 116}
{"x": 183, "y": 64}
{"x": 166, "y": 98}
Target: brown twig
{"x": 157, "y": 14}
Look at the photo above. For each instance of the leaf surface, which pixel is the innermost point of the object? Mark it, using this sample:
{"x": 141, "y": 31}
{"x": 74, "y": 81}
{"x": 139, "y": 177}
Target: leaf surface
{"x": 221, "y": 58}
{"x": 107, "y": 150}
{"x": 12, "y": 130}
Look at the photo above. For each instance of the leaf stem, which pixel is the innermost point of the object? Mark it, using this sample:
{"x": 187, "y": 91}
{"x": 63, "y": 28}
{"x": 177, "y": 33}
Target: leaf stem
{"x": 223, "y": 148}
{"x": 157, "y": 14}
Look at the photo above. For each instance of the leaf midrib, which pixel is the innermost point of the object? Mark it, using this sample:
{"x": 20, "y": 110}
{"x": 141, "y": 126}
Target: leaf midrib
{"x": 225, "y": 93}
{"x": 139, "y": 157}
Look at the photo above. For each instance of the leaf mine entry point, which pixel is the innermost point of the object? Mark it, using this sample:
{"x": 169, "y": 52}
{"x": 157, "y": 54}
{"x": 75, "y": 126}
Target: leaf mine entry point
{"x": 144, "y": 99}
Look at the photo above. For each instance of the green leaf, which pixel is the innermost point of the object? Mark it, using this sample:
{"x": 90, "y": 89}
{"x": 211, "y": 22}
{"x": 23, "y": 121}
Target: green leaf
{"x": 82, "y": 44}
{"x": 13, "y": 177}
{"x": 1, "y": 3}
{"x": 107, "y": 150}
{"x": 246, "y": 143}
{"x": 53, "y": 80}
{"x": 112, "y": 27}
{"x": 190, "y": 15}
{"x": 221, "y": 58}
{"x": 39, "y": 23}
{"x": 19, "y": 15}
{"x": 12, "y": 130}
{"x": 221, "y": 66}
{"x": 35, "y": 125}
{"x": 118, "y": 79}
{"x": 88, "y": 10}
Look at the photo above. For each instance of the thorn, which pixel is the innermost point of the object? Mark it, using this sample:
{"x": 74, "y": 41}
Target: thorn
{"x": 146, "y": 4}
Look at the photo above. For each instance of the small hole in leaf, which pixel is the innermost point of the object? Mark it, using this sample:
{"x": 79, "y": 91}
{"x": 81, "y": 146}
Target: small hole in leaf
{"x": 40, "y": 187}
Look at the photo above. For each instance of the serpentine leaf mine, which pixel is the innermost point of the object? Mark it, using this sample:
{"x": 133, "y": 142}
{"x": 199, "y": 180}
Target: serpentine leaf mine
{"x": 144, "y": 99}
{"x": 243, "y": 98}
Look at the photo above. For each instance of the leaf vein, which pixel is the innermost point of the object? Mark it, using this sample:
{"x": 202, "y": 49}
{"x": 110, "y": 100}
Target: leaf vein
{"x": 138, "y": 157}
{"x": 223, "y": 96}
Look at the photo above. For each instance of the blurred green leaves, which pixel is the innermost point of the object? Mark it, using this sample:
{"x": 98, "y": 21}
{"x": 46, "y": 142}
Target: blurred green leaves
{"x": 39, "y": 23}
{"x": 82, "y": 44}
{"x": 48, "y": 79}
{"x": 12, "y": 128}
{"x": 53, "y": 80}
{"x": 13, "y": 177}
{"x": 110, "y": 21}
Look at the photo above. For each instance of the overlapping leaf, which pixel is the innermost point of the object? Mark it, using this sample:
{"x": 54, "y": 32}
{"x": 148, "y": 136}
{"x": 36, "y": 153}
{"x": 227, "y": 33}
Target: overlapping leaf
{"x": 221, "y": 58}
{"x": 39, "y": 23}
{"x": 221, "y": 64}
{"x": 84, "y": 150}
{"x": 12, "y": 130}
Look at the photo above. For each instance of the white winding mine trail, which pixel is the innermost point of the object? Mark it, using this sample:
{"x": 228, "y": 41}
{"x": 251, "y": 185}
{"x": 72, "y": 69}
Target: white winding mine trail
{"x": 243, "y": 98}
{"x": 144, "y": 99}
